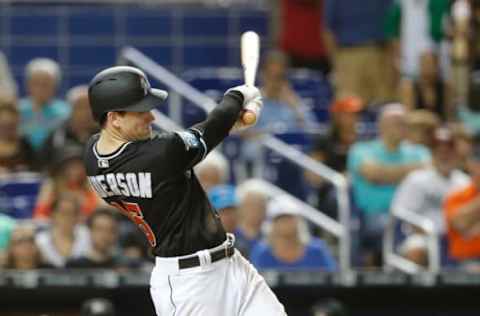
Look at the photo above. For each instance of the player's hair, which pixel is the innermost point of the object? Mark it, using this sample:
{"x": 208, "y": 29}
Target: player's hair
{"x": 99, "y": 212}
{"x": 103, "y": 119}
{"x": 217, "y": 160}
{"x": 46, "y": 65}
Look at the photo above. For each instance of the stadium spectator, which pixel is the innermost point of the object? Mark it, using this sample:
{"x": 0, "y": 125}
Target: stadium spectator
{"x": 65, "y": 238}
{"x": 332, "y": 150}
{"x": 423, "y": 191}
{"x": 7, "y": 224}
{"x": 415, "y": 26}
{"x": 466, "y": 66}
{"x": 252, "y": 199}
{"x": 8, "y": 86}
{"x": 429, "y": 91}
{"x": 282, "y": 108}
{"x": 305, "y": 49}
{"x": 421, "y": 125}
{"x": 213, "y": 170}
{"x": 103, "y": 226}
{"x": 463, "y": 144}
{"x": 343, "y": 132}
{"x": 134, "y": 252}
{"x": 376, "y": 168}
{"x": 16, "y": 154}
{"x": 76, "y": 130}
{"x": 22, "y": 252}
{"x": 289, "y": 246}
{"x": 40, "y": 111}
{"x": 462, "y": 209}
{"x": 461, "y": 31}
{"x": 67, "y": 175}
{"x": 356, "y": 42}
{"x": 282, "y": 111}
{"x": 224, "y": 200}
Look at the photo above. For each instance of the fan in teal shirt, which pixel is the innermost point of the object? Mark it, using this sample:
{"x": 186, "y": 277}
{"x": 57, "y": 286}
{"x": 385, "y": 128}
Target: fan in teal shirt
{"x": 37, "y": 125}
{"x": 373, "y": 197}
{"x": 40, "y": 111}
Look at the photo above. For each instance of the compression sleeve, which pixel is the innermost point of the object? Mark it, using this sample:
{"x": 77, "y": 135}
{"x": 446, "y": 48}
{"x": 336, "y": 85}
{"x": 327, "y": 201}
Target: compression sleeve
{"x": 220, "y": 121}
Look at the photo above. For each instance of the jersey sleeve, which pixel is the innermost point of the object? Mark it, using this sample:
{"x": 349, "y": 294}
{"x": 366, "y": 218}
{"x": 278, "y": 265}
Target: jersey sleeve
{"x": 177, "y": 151}
{"x": 220, "y": 121}
{"x": 182, "y": 150}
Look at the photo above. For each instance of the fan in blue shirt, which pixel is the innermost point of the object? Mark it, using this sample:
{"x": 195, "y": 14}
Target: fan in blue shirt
{"x": 288, "y": 247}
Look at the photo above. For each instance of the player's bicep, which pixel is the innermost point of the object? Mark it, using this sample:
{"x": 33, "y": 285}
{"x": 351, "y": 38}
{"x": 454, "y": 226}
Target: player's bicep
{"x": 190, "y": 148}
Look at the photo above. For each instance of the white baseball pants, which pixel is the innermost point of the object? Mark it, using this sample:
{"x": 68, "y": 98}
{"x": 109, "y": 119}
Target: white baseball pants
{"x": 228, "y": 287}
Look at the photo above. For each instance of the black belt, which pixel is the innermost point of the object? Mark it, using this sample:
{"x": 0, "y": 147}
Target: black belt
{"x": 194, "y": 261}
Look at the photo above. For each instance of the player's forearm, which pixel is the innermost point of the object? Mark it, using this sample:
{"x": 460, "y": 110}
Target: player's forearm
{"x": 221, "y": 120}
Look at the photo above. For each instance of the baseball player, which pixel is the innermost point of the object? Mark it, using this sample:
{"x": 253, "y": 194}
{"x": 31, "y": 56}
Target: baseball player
{"x": 149, "y": 177}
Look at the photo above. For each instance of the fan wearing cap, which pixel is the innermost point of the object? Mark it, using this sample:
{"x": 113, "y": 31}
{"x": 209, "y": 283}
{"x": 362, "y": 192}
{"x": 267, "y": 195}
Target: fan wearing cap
{"x": 149, "y": 177}
{"x": 333, "y": 149}
{"x": 289, "y": 245}
{"x": 423, "y": 191}
{"x": 224, "y": 199}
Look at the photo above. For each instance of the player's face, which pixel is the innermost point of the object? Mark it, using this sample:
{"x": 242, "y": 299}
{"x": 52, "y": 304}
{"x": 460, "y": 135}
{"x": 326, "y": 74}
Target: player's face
{"x": 136, "y": 125}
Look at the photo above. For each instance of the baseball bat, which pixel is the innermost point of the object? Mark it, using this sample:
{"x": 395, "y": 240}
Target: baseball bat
{"x": 250, "y": 51}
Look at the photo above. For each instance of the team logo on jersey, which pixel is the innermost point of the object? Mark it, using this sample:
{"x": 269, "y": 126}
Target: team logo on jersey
{"x": 103, "y": 163}
{"x": 189, "y": 139}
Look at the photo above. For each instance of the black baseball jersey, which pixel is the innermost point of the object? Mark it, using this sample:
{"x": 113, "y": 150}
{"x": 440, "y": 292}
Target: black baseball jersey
{"x": 153, "y": 183}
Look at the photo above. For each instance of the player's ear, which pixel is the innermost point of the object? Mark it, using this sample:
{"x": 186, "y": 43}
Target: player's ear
{"x": 114, "y": 119}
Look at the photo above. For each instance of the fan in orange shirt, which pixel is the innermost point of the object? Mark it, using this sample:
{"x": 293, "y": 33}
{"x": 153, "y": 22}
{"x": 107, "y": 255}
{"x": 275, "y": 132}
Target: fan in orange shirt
{"x": 462, "y": 214}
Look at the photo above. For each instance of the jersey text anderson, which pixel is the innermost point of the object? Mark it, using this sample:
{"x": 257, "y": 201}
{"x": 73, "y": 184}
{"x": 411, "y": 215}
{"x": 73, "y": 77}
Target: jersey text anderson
{"x": 125, "y": 184}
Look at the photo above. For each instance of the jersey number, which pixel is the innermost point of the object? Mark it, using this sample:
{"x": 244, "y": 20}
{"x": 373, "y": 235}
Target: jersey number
{"x": 134, "y": 213}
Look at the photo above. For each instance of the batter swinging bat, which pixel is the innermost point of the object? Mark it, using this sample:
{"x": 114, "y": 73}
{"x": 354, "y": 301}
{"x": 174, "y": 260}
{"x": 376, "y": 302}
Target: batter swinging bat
{"x": 250, "y": 50}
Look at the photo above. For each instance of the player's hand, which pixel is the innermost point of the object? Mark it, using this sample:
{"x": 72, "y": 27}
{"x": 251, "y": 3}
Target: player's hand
{"x": 252, "y": 104}
{"x": 250, "y": 93}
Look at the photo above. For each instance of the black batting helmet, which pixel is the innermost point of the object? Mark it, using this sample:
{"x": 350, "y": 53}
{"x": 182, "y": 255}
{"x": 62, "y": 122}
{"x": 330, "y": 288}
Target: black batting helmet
{"x": 122, "y": 88}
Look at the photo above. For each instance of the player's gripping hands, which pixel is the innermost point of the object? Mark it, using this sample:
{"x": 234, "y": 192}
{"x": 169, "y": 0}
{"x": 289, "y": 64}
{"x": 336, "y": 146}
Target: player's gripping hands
{"x": 252, "y": 104}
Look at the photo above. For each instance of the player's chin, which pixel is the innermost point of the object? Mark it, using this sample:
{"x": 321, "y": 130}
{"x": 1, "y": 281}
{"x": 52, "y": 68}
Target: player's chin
{"x": 146, "y": 134}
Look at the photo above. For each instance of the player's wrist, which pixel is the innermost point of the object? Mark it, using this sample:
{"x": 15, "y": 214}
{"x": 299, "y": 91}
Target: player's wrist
{"x": 236, "y": 95}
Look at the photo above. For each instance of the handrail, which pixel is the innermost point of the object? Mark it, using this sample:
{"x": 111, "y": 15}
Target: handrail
{"x": 197, "y": 98}
{"x": 415, "y": 219}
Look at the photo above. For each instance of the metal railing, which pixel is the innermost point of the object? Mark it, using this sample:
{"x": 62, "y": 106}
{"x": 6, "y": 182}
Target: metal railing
{"x": 391, "y": 259}
{"x": 178, "y": 86}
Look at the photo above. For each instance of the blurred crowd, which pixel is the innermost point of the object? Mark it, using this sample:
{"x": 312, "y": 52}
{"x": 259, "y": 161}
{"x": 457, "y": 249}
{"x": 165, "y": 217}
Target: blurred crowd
{"x": 413, "y": 65}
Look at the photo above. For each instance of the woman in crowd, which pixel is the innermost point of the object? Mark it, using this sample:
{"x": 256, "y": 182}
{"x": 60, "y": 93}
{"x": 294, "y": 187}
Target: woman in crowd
{"x": 22, "y": 252}
{"x": 65, "y": 238}
{"x": 68, "y": 175}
